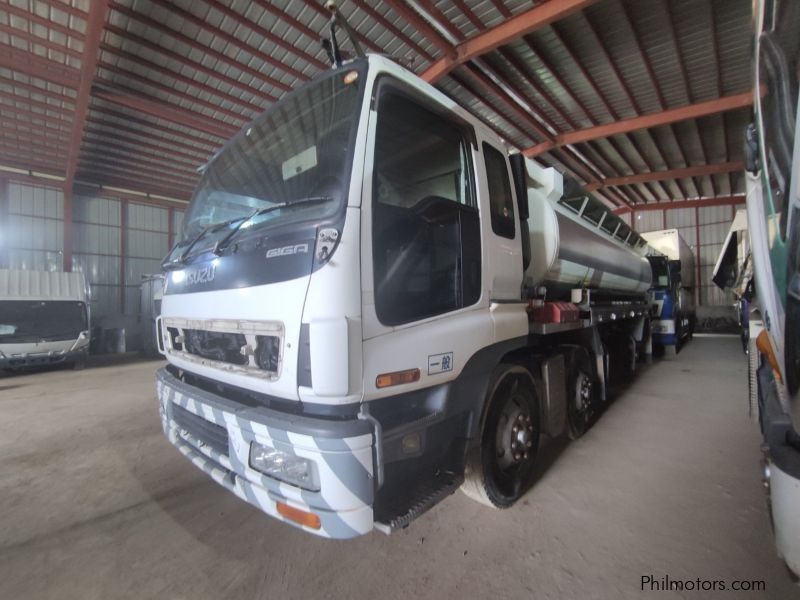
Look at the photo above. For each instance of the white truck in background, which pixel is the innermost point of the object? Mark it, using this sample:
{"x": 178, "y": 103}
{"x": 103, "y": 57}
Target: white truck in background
{"x": 772, "y": 176}
{"x": 44, "y": 318}
{"x": 672, "y": 293}
{"x": 733, "y": 272}
{"x": 372, "y": 304}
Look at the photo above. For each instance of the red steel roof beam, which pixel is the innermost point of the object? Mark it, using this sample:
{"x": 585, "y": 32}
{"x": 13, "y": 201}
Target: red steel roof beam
{"x": 507, "y": 31}
{"x": 673, "y": 115}
{"x": 696, "y": 203}
{"x": 697, "y": 171}
{"x": 95, "y": 20}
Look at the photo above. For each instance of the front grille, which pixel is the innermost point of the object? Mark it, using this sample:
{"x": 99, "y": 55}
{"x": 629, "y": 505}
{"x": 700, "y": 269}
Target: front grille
{"x": 250, "y": 352}
{"x": 202, "y": 430}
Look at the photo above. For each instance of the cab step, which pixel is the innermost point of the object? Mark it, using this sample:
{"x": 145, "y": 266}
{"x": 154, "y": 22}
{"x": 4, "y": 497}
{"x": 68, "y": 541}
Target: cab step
{"x": 419, "y": 499}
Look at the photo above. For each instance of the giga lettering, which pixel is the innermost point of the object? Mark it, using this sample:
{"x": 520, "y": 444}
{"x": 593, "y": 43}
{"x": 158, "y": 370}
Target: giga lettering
{"x": 287, "y": 250}
{"x": 202, "y": 275}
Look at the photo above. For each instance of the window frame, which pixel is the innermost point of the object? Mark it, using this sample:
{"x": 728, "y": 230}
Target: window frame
{"x": 468, "y": 147}
{"x": 501, "y": 223}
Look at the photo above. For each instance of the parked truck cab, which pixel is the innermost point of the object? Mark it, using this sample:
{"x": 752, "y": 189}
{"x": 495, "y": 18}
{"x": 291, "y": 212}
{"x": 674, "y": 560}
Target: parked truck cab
{"x": 44, "y": 318}
{"x": 672, "y": 293}
{"x": 359, "y": 316}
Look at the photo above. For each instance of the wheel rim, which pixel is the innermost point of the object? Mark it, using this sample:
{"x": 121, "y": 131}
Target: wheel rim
{"x": 514, "y": 436}
{"x": 583, "y": 396}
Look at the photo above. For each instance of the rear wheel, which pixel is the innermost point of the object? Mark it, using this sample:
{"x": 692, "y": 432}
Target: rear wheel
{"x": 580, "y": 394}
{"x": 501, "y": 469}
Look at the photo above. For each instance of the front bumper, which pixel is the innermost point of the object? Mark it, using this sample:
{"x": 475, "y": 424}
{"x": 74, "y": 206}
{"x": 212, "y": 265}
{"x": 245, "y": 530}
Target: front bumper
{"x": 43, "y": 359}
{"x": 664, "y": 331}
{"x": 342, "y": 451}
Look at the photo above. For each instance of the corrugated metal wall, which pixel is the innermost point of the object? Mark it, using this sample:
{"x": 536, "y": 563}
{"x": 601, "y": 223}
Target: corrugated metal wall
{"x": 96, "y": 237}
{"x": 704, "y": 229}
{"x": 115, "y": 240}
{"x": 35, "y": 231}
{"x": 147, "y": 244}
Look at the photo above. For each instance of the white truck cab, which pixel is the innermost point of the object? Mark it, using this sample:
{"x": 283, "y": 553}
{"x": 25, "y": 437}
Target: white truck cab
{"x": 44, "y": 318}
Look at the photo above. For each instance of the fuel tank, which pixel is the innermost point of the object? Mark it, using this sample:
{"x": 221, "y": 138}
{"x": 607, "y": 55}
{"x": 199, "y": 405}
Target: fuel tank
{"x": 578, "y": 242}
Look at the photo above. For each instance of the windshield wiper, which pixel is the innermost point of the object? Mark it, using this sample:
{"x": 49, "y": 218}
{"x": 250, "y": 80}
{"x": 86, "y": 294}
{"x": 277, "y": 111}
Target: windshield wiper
{"x": 181, "y": 260}
{"x": 223, "y": 243}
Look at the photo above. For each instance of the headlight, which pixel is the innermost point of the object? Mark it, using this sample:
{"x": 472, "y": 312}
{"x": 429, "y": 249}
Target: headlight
{"x": 288, "y": 468}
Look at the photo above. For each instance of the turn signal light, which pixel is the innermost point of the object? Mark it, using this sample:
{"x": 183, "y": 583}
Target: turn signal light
{"x": 765, "y": 348}
{"x": 397, "y": 378}
{"x": 299, "y": 516}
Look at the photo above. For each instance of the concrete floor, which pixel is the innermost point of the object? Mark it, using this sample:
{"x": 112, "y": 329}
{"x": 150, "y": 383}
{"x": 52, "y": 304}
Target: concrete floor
{"x": 94, "y": 503}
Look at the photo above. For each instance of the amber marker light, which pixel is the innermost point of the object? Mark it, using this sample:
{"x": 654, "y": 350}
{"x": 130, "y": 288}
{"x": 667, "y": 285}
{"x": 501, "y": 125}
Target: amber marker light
{"x": 350, "y": 77}
{"x": 302, "y": 517}
{"x": 397, "y": 378}
{"x": 765, "y": 348}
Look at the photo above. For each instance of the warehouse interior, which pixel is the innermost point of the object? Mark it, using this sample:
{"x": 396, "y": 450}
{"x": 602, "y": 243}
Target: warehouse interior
{"x": 112, "y": 110}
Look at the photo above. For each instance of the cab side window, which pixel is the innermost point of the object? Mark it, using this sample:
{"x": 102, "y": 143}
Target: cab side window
{"x": 501, "y": 201}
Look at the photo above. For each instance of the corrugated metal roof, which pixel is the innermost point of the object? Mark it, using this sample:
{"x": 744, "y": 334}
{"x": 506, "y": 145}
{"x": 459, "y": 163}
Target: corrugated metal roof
{"x": 220, "y": 62}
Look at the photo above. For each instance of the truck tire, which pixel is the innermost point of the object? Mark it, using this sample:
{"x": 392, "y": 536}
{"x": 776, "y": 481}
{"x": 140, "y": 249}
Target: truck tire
{"x": 500, "y": 470}
{"x": 580, "y": 393}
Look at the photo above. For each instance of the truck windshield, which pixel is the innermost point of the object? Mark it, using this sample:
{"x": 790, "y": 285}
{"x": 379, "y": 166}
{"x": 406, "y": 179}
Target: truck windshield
{"x": 660, "y": 271}
{"x": 300, "y": 149}
{"x": 41, "y": 320}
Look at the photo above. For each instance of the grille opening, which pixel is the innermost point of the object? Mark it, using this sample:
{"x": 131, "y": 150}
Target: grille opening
{"x": 214, "y": 345}
{"x": 268, "y": 352}
{"x": 175, "y": 338}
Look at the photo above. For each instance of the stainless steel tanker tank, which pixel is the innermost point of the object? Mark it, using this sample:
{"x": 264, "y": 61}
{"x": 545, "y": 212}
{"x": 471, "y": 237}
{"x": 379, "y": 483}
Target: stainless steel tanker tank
{"x": 577, "y": 242}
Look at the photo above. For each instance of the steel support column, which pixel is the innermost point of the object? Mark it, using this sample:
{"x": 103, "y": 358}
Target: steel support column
{"x": 123, "y": 251}
{"x": 4, "y": 226}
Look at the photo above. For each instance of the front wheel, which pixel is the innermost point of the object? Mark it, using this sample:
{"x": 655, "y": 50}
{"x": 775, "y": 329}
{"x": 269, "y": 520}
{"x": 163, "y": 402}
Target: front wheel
{"x": 501, "y": 469}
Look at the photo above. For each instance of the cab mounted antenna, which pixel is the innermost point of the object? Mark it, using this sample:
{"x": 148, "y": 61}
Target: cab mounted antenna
{"x": 331, "y": 45}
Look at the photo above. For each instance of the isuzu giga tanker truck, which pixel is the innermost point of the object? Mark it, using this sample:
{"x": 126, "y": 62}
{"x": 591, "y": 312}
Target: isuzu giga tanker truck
{"x": 372, "y": 304}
